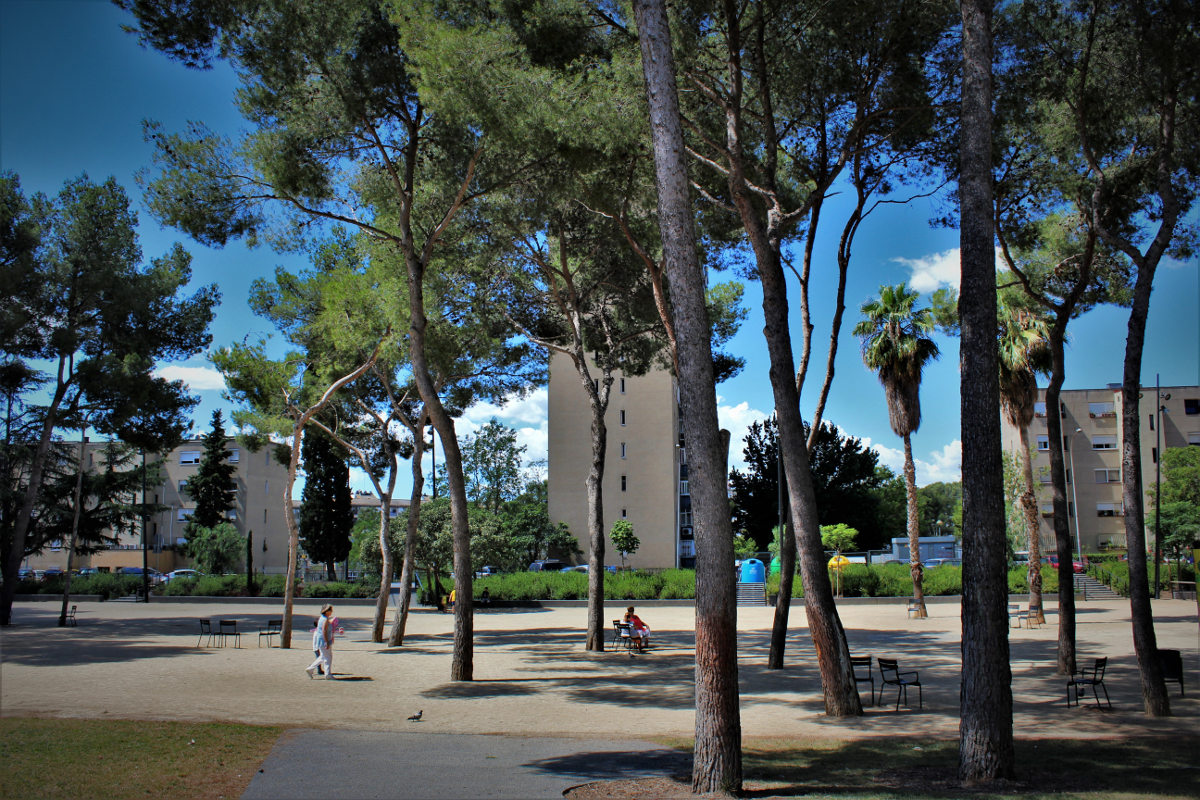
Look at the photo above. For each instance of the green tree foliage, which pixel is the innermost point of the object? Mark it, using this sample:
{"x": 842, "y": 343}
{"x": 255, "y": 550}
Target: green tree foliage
{"x": 79, "y": 301}
{"x": 1179, "y": 512}
{"x": 744, "y": 546}
{"x": 937, "y": 503}
{"x": 623, "y": 538}
{"x": 212, "y": 487}
{"x": 492, "y": 465}
{"x": 838, "y": 538}
{"x": 216, "y": 550}
{"x": 845, "y": 474}
{"x": 326, "y": 515}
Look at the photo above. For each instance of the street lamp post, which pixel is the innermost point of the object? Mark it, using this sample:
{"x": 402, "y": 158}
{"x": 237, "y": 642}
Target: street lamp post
{"x": 1074, "y": 496}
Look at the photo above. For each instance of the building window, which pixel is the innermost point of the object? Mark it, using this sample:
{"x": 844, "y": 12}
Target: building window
{"x": 183, "y": 488}
{"x": 1104, "y": 442}
{"x": 683, "y": 455}
{"x": 1109, "y": 510}
{"x": 622, "y": 449}
{"x": 624, "y": 513}
{"x": 185, "y": 514}
{"x": 596, "y": 384}
{"x": 1194, "y": 438}
{"x": 1047, "y": 509}
{"x": 267, "y": 458}
{"x": 1039, "y": 409}
{"x": 233, "y": 514}
{"x": 622, "y": 386}
{"x": 1151, "y": 417}
{"x": 264, "y": 516}
{"x": 624, "y": 483}
{"x": 233, "y": 456}
{"x": 1191, "y": 407}
{"x": 1108, "y": 476}
{"x": 685, "y": 518}
{"x": 267, "y": 486}
{"x": 683, "y": 488}
{"x": 1043, "y": 443}
{"x": 1153, "y": 455}
{"x": 1102, "y": 409}
{"x": 189, "y": 457}
{"x": 687, "y": 548}
{"x": 622, "y": 416}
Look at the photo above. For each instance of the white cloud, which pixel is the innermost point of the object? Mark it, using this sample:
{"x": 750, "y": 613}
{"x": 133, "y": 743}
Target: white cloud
{"x": 198, "y": 379}
{"x": 737, "y": 420}
{"x": 944, "y": 465}
{"x": 528, "y": 415}
{"x": 933, "y": 271}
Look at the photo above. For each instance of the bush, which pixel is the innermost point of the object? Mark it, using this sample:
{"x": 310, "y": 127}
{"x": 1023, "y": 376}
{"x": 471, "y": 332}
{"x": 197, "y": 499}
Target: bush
{"x": 671, "y": 584}
{"x": 179, "y": 587}
{"x": 211, "y": 586}
{"x": 1018, "y": 580}
{"x": 272, "y": 586}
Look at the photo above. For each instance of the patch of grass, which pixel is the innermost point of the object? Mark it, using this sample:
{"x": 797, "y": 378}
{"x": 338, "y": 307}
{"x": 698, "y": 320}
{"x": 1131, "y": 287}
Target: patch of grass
{"x": 1160, "y": 767}
{"x": 128, "y": 758}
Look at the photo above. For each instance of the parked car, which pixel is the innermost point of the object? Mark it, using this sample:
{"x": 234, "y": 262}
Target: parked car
{"x": 1051, "y": 560}
{"x": 577, "y": 568}
{"x": 549, "y": 565}
{"x": 486, "y": 571}
{"x": 938, "y": 562}
{"x": 23, "y": 574}
{"x": 1078, "y": 566}
{"x": 181, "y": 573}
{"x": 53, "y": 572}
{"x": 88, "y": 571}
{"x": 156, "y": 577}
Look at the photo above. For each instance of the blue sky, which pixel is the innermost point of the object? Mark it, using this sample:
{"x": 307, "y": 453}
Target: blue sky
{"x": 74, "y": 89}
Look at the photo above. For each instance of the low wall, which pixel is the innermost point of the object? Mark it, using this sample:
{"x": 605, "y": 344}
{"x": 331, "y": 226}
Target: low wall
{"x": 56, "y": 598}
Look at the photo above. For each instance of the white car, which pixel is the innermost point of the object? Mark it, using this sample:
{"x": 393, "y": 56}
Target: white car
{"x": 181, "y": 573}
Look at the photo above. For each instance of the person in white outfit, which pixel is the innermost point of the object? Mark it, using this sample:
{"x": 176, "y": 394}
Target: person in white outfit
{"x": 323, "y": 643}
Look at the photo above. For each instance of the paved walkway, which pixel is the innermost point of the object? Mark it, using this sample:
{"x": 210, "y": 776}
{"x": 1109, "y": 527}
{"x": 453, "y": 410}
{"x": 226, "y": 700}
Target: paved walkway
{"x": 335, "y": 764}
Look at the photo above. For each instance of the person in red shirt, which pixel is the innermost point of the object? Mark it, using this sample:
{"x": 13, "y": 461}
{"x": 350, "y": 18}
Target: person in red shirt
{"x": 638, "y": 630}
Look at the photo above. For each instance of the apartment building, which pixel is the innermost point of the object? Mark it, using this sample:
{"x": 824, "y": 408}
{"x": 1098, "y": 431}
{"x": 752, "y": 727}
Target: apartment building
{"x": 1092, "y": 442}
{"x": 259, "y": 483}
{"x": 645, "y": 476}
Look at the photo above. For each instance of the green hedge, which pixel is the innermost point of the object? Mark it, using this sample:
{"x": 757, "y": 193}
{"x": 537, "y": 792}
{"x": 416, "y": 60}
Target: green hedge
{"x": 1115, "y": 575}
{"x": 105, "y": 584}
{"x": 671, "y": 584}
{"x": 339, "y": 589}
{"x": 894, "y": 580}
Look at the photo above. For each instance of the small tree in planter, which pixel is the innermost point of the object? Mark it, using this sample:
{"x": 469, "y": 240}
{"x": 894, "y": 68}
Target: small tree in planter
{"x": 838, "y": 538}
{"x": 623, "y": 539}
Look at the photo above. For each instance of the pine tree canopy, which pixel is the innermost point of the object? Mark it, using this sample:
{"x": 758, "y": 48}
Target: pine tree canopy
{"x": 326, "y": 516}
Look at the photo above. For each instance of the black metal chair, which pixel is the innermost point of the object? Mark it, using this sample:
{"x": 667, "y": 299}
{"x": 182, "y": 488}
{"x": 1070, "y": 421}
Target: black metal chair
{"x": 206, "y": 630}
{"x": 71, "y": 617}
{"x": 1172, "y": 667}
{"x": 1031, "y": 615}
{"x": 1093, "y": 677}
{"x": 863, "y": 661}
{"x": 274, "y": 628}
{"x": 228, "y": 627}
{"x": 891, "y": 675}
{"x": 622, "y": 634}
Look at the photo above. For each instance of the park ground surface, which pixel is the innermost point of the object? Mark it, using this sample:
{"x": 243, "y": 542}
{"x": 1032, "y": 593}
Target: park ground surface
{"x": 535, "y": 682}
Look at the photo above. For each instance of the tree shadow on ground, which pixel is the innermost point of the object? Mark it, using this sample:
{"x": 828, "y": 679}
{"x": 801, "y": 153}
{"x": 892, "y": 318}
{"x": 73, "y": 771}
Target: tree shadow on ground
{"x": 612, "y": 764}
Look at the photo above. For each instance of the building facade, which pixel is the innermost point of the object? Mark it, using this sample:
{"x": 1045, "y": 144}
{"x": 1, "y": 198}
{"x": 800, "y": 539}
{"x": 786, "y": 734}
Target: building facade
{"x": 259, "y": 484}
{"x": 645, "y": 476}
{"x": 1092, "y": 445}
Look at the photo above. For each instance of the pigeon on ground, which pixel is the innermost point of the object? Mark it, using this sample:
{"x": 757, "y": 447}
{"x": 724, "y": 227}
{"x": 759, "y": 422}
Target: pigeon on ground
{"x": 416, "y": 717}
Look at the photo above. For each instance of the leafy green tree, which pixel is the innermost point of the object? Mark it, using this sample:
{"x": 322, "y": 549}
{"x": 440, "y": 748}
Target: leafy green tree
{"x": 212, "y": 487}
{"x": 528, "y": 525}
{"x": 897, "y": 347}
{"x": 936, "y": 503}
{"x": 1179, "y": 504}
{"x": 623, "y": 539}
{"x": 744, "y": 546}
{"x": 326, "y": 514}
{"x": 215, "y": 549}
{"x": 890, "y": 496}
{"x": 492, "y": 465}
{"x": 79, "y": 300}
{"x": 838, "y": 538}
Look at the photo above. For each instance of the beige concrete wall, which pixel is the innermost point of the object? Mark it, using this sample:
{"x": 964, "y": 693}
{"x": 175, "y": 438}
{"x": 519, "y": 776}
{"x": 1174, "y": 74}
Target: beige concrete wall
{"x": 650, "y": 434}
{"x": 1086, "y": 490}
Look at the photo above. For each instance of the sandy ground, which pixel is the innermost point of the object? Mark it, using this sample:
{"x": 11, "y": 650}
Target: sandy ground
{"x": 533, "y": 677}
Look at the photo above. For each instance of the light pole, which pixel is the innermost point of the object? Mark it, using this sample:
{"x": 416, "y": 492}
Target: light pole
{"x": 1075, "y": 498}
{"x": 1159, "y": 409}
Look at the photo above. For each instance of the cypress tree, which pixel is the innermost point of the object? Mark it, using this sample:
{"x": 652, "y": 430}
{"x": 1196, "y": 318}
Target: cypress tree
{"x": 325, "y": 517}
{"x": 213, "y": 487}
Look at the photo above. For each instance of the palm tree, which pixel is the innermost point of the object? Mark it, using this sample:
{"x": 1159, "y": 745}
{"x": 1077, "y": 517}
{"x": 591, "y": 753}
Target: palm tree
{"x": 896, "y": 345}
{"x": 1024, "y": 352}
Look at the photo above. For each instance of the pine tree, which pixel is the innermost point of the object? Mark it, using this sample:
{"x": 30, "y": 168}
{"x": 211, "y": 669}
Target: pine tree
{"x": 325, "y": 517}
{"x": 212, "y": 488}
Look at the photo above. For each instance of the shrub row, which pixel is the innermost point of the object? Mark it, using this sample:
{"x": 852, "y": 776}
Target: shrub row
{"x": 107, "y": 585}
{"x": 894, "y": 580}
{"x": 1115, "y": 575}
{"x": 670, "y": 584}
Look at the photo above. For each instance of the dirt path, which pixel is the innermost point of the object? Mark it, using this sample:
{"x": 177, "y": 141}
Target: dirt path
{"x": 533, "y": 677}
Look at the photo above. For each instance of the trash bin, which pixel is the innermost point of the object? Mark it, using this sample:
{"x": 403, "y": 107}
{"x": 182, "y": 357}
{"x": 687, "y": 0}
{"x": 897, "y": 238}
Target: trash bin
{"x": 775, "y": 566}
{"x": 753, "y": 571}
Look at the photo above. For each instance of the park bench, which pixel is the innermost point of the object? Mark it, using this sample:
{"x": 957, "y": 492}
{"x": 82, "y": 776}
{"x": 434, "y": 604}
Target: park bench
{"x": 1093, "y": 677}
{"x": 889, "y": 672}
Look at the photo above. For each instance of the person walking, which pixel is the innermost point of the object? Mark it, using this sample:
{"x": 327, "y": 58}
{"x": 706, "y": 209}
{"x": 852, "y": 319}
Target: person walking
{"x": 323, "y": 643}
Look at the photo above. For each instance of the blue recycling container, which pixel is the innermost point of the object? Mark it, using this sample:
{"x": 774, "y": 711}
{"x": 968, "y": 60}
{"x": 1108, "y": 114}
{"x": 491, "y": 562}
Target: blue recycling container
{"x": 753, "y": 571}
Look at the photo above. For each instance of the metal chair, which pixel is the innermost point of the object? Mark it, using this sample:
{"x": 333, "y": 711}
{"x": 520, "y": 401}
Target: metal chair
{"x": 863, "y": 661}
{"x": 913, "y": 607}
{"x": 888, "y": 666}
{"x": 228, "y": 627}
{"x": 1172, "y": 667}
{"x": 1014, "y": 613}
{"x": 621, "y": 634}
{"x": 274, "y": 628}
{"x": 71, "y": 617}
{"x": 1089, "y": 677}
{"x": 206, "y": 630}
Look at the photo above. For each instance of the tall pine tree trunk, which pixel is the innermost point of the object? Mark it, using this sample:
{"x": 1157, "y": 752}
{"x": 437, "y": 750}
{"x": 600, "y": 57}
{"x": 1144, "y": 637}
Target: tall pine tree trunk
{"x": 409, "y": 569}
{"x": 787, "y": 574}
{"x": 1155, "y": 699}
{"x": 1058, "y": 480}
{"x": 1029, "y": 509}
{"x": 62, "y": 617}
{"x": 914, "y": 528}
{"x": 985, "y": 750}
{"x": 388, "y": 569}
{"x": 595, "y": 501}
{"x": 717, "y": 761}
